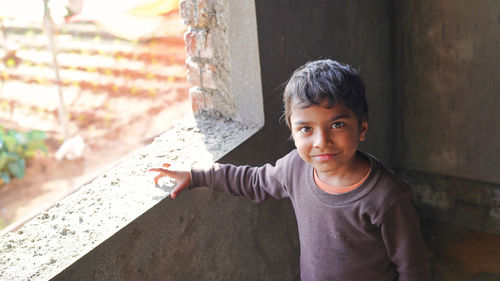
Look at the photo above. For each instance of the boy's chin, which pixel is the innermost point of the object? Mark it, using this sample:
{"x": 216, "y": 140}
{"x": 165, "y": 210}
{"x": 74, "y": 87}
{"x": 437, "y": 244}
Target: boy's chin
{"x": 322, "y": 169}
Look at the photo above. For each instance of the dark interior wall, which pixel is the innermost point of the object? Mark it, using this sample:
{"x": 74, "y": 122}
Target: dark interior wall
{"x": 430, "y": 68}
{"x": 291, "y": 33}
{"x": 447, "y": 108}
{"x": 447, "y": 60}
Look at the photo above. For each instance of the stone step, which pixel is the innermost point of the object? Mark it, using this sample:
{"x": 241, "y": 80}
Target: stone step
{"x": 22, "y": 104}
{"x": 12, "y": 85}
{"x": 155, "y": 52}
{"x": 99, "y": 72}
{"x": 99, "y": 65}
{"x": 94, "y": 61}
{"x": 70, "y": 43}
{"x": 90, "y": 69}
{"x": 82, "y": 30}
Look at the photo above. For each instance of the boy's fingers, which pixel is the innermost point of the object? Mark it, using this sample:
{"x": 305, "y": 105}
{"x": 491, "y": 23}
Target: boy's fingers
{"x": 163, "y": 172}
{"x": 158, "y": 177}
{"x": 158, "y": 170}
{"x": 176, "y": 191}
{"x": 181, "y": 185}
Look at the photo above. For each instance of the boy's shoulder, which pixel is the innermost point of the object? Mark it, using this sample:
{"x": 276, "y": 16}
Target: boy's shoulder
{"x": 291, "y": 158}
{"x": 386, "y": 191}
{"x": 386, "y": 175}
{"x": 292, "y": 167}
{"x": 388, "y": 187}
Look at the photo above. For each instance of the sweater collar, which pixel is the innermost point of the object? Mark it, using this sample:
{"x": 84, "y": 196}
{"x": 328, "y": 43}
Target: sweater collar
{"x": 349, "y": 197}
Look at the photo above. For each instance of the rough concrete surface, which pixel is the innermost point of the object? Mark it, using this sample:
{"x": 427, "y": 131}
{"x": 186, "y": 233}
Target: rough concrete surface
{"x": 446, "y": 87}
{"x": 462, "y": 202}
{"x": 74, "y": 226}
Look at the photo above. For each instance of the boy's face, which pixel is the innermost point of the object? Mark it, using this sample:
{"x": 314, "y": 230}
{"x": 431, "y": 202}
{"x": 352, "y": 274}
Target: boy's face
{"x": 327, "y": 138}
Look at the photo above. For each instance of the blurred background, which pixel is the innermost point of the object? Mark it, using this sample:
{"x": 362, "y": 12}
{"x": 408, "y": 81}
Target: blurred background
{"x": 82, "y": 84}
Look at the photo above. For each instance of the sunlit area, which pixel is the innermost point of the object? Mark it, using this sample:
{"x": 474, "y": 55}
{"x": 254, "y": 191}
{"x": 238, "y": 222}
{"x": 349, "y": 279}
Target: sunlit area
{"x": 83, "y": 83}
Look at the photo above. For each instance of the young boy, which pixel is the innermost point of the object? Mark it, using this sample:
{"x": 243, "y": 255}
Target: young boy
{"x": 356, "y": 220}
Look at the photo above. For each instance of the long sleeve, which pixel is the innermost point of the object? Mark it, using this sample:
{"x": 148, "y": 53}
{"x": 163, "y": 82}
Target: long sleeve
{"x": 400, "y": 228}
{"x": 254, "y": 183}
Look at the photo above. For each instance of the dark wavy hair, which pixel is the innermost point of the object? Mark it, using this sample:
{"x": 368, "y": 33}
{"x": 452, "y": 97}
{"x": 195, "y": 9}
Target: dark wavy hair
{"x": 329, "y": 80}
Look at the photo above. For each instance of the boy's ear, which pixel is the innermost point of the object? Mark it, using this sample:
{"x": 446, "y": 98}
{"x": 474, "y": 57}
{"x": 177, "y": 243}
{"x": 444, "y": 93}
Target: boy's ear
{"x": 363, "y": 129}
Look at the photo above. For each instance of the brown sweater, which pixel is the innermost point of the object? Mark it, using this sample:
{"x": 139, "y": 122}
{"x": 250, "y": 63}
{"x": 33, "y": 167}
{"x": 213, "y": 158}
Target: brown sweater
{"x": 371, "y": 233}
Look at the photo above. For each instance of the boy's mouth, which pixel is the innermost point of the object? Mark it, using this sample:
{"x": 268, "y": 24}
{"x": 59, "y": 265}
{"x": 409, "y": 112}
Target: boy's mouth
{"x": 325, "y": 156}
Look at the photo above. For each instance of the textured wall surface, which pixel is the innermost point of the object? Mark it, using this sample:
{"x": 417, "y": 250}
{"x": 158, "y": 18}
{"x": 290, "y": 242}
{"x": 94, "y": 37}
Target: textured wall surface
{"x": 207, "y": 52}
{"x": 447, "y": 61}
{"x": 354, "y": 32}
{"x": 201, "y": 235}
{"x": 462, "y": 202}
{"x": 447, "y": 108}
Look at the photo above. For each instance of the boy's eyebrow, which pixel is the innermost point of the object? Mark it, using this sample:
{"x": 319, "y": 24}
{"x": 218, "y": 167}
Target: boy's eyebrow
{"x": 300, "y": 122}
{"x": 346, "y": 116}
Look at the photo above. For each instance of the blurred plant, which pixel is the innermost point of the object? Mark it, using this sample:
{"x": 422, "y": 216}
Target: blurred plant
{"x": 10, "y": 62}
{"x": 15, "y": 148}
{"x": 3, "y": 223}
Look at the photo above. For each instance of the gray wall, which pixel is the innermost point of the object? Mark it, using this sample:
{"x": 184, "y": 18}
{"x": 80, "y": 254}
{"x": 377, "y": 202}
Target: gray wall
{"x": 294, "y": 32}
{"x": 446, "y": 65}
{"x": 446, "y": 69}
{"x": 201, "y": 235}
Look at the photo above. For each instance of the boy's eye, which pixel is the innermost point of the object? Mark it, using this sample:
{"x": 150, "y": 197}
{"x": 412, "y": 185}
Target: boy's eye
{"x": 305, "y": 130}
{"x": 337, "y": 125}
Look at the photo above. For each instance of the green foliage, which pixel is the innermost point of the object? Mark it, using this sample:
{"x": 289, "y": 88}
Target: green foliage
{"x": 15, "y": 148}
{"x": 10, "y": 62}
{"x": 3, "y": 223}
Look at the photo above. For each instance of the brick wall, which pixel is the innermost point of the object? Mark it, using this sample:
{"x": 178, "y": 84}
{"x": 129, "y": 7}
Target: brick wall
{"x": 207, "y": 56}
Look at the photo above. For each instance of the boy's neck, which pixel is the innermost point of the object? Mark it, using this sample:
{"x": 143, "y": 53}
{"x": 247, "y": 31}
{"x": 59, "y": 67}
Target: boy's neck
{"x": 351, "y": 174}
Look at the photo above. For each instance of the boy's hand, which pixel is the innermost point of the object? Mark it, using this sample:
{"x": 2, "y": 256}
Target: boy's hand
{"x": 183, "y": 178}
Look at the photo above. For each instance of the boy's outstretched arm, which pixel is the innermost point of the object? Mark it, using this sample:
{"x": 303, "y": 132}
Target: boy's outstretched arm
{"x": 183, "y": 178}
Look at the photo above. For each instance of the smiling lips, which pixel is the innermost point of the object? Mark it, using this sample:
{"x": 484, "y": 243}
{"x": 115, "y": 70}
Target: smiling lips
{"x": 325, "y": 157}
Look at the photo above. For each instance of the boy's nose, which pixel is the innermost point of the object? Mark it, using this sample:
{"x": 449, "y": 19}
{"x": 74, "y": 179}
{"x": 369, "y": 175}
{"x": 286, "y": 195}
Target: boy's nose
{"x": 321, "y": 139}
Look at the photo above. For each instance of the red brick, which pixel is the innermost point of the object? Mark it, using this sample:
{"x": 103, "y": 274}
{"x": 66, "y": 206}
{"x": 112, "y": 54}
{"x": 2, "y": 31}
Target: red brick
{"x": 193, "y": 72}
{"x": 207, "y": 51}
{"x": 196, "y": 13}
{"x": 187, "y": 11}
{"x": 201, "y": 74}
{"x": 195, "y": 41}
{"x": 199, "y": 43}
{"x": 204, "y": 11}
{"x": 198, "y": 100}
{"x": 209, "y": 77}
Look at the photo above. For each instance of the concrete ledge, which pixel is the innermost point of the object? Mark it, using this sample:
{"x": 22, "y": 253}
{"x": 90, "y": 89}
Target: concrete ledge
{"x": 461, "y": 202}
{"x": 61, "y": 235}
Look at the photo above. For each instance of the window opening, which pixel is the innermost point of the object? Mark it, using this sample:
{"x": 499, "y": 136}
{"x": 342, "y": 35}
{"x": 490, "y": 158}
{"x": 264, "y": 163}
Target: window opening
{"x": 213, "y": 43}
{"x": 122, "y": 78}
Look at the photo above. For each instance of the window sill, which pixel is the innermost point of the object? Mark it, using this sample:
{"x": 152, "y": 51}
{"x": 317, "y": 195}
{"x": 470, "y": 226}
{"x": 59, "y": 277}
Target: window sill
{"x": 56, "y": 238}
